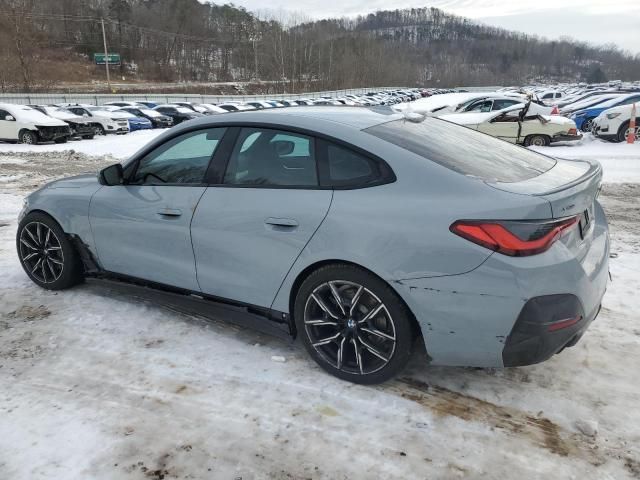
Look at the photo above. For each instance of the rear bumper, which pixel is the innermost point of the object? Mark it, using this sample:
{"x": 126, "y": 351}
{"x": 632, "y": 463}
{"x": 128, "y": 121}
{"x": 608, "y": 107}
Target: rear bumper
{"x": 471, "y": 319}
{"x": 545, "y": 326}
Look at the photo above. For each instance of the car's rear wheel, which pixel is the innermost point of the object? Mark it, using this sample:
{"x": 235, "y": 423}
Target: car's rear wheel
{"x": 624, "y": 131}
{"x": 537, "y": 141}
{"x": 46, "y": 254}
{"x": 353, "y": 324}
{"x": 28, "y": 137}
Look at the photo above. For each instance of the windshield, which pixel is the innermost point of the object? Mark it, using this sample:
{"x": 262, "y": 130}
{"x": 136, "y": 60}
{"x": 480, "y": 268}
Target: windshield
{"x": 31, "y": 115}
{"x": 59, "y": 113}
{"x": 123, "y": 114}
{"x": 464, "y": 150}
{"x": 184, "y": 110}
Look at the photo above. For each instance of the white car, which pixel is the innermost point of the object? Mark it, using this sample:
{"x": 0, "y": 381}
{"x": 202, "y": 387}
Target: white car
{"x": 613, "y": 124}
{"x": 103, "y": 120}
{"x": 20, "y": 123}
{"x": 519, "y": 125}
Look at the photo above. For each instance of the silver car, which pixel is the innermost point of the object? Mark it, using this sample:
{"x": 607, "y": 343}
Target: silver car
{"x": 358, "y": 230}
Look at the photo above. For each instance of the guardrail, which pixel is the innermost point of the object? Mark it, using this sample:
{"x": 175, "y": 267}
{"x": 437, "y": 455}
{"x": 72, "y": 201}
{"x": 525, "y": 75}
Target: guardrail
{"x": 99, "y": 99}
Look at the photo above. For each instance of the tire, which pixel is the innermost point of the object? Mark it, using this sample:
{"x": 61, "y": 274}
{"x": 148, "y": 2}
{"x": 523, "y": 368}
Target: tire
{"x": 537, "y": 140}
{"x": 61, "y": 140}
{"x": 388, "y": 332}
{"x": 624, "y": 130}
{"x": 40, "y": 237}
{"x": 100, "y": 129}
{"x": 587, "y": 125}
{"x": 28, "y": 137}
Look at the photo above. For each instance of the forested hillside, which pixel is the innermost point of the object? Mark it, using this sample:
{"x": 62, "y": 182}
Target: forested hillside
{"x": 45, "y": 42}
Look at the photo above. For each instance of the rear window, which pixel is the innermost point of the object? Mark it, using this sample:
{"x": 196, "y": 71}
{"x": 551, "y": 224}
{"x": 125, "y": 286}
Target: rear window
{"x": 464, "y": 150}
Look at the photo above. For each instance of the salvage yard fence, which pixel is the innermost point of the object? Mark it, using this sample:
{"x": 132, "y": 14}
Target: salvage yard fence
{"x": 99, "y": 99}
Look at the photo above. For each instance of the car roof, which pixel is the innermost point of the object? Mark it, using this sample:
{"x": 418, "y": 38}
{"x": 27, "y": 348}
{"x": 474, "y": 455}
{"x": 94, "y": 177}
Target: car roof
{"x": 351, "y": 116}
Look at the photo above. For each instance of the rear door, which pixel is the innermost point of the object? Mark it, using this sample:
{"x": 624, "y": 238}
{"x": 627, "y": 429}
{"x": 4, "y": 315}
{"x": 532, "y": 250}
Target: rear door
{"x": 248, "y": 230}
{"x": 141, "y": 229}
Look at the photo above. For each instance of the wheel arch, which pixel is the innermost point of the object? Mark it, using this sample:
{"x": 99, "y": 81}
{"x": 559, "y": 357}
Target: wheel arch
{"x": 309, "y": 269}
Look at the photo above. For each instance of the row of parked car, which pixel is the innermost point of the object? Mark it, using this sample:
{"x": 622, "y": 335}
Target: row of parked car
{"x": 604, "y": 110}
{"x": 524, "y": 117}
{"x": 64, "y": 121}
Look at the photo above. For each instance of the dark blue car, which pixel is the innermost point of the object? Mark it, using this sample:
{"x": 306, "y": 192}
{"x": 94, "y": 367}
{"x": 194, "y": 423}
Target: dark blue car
{"x": 584, "y": 118}
{"x": 136, "y": 123}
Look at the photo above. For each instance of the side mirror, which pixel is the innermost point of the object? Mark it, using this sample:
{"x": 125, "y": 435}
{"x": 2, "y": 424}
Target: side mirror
{"x": 112, "y": 175}
{"x": 9, "y": 118}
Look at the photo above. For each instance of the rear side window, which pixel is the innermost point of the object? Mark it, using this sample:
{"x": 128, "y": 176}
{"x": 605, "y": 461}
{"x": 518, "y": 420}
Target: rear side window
{"x": 348, "y": 168}
{"x": 464, "y": 150}
{"x": 266, "y": 157}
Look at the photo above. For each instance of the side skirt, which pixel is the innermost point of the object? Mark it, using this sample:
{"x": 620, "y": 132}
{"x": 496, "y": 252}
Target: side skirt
{"x": 194, "y": 303}
{"x": 265, "y": 320}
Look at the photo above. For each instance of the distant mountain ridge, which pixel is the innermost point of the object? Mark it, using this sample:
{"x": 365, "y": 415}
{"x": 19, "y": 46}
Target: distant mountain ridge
{"x": 50, "y": 41}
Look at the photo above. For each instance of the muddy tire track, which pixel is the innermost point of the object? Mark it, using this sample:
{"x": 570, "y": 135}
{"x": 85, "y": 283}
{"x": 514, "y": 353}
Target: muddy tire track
{"x": 539, "y": 430}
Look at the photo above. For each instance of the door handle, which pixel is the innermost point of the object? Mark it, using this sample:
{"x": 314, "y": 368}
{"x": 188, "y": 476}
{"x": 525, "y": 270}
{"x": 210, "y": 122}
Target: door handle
{"x": 170, "y": 212}
{"x": 281, "y": 222}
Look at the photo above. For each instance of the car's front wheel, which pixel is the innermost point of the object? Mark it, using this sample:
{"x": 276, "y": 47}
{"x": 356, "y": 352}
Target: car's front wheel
{"x": 625, "y": 130}
{"x": 353, "y": 324}
{"x": 46, "y": 254}
{"x": 28, "y": 137}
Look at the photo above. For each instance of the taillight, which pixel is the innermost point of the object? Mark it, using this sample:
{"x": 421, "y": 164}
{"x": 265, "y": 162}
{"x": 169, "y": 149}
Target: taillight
{"x": 513, "y": 238}
{"x": 573, "y": 131}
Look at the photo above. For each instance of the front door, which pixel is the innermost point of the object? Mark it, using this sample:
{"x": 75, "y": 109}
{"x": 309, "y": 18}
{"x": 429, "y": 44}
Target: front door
{"x": 141, "y": 229}
{"x": 505, "y": 127}
{"x": 8, "y": 130}
{"x": 248, "y": 232}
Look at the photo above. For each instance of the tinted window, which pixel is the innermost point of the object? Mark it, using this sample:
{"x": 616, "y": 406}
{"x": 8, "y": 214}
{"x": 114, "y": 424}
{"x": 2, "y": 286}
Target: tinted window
{"x": 500, "y": 104}
{"x": 347, "y": 167}
{"x": 271, "y": 157}
{"x": 484, "y": 106}
{"x": 464, "y": 150}
{"x": 183, "y": 159}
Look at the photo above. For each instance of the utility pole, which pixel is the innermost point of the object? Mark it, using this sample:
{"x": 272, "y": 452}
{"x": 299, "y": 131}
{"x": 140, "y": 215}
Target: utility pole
{"x": 106, "y": 54}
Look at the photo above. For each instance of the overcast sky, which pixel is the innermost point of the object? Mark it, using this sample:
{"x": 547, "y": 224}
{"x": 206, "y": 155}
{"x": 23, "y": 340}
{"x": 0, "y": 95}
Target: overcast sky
{"x": 596, "y": 21}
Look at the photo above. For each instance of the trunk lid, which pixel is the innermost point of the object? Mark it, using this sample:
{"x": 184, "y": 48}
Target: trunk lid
{"x": 571, "y": 187}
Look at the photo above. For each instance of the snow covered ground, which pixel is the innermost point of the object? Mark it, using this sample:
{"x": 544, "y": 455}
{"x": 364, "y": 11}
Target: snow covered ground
{"x": 96, "y": 383}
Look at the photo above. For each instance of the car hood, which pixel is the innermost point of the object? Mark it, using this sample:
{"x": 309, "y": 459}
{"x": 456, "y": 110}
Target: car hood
{"x": 77, "y": 181}
{"x": 49, "y": 122}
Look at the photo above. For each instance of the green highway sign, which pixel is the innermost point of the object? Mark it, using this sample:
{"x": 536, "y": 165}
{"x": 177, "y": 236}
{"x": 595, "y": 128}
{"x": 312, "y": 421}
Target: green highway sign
{"x": 114, "y": 58}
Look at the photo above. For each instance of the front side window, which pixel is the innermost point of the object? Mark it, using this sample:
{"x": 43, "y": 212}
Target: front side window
{"x": 265, "y": 157}
{"x": 181, "y": 160}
